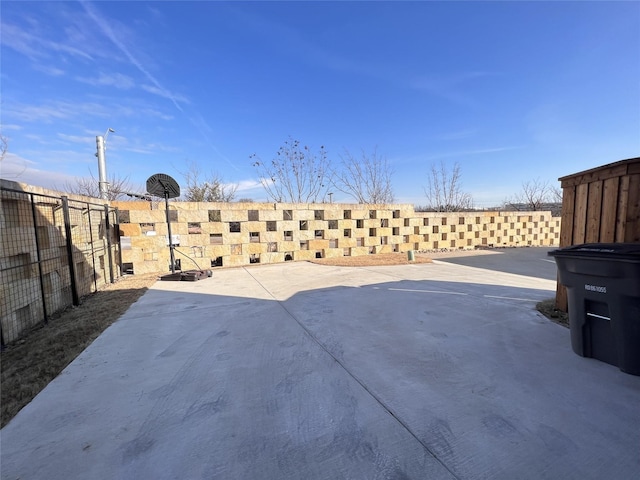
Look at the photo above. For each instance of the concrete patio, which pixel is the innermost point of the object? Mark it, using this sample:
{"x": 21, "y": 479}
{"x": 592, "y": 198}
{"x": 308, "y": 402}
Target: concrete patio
{"x": 302, "y": 371}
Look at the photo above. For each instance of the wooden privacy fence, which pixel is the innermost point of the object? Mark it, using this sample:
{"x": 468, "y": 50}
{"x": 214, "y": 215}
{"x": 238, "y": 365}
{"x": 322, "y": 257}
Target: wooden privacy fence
{"x": 601, "y": 205}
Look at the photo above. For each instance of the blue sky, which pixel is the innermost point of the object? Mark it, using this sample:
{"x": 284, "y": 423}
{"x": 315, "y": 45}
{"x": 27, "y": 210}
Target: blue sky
{"x": 511, "y": 91}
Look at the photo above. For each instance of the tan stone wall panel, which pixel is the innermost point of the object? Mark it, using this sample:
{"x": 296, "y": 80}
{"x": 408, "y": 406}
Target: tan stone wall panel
{"x": 421, "y": 231}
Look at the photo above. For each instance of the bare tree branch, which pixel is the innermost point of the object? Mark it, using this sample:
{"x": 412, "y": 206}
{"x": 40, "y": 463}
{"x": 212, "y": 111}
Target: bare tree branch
{"x": 534, "y": 195}
{"x": 117, "y": 187}
{"x": 367, "y": 179}
{"x": 296, "y": 174}
{"x": 444, "y": 189}
{"x": 4, "y": 146}
{"x": 212, "y": 188}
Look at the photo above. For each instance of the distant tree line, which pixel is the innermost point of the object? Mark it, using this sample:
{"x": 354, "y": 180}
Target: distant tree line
{"x": 298, "y": 174}
{"x": 118, "y": 188}
{"x": 535, "y": 195}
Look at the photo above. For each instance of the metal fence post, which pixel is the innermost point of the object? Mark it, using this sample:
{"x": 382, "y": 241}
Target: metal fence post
{"x": 116, "y": 216}
{"x": 107, "y": 231}
{"x": 93, "y": 248}
{"x": 72, "y": 264}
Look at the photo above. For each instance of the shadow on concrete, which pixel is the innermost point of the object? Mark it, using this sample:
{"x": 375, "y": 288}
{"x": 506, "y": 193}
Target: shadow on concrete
{"x": 393, "y": 380}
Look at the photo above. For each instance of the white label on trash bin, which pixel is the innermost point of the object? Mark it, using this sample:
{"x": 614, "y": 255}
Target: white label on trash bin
{"x": 595, "y": 288}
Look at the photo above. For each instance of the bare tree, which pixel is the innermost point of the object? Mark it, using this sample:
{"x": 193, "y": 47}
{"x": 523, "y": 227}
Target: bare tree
{"x": 14, "y": 166}
{"x": 210, "y": 188}
{"x": 4, "y": 146}
{"x": 535, "y": 195}
{"x": 444, "y": 189}
{"x": 367, "y": 178}
{"x": 118, "y": 188}
{"x": 296, "y": 174}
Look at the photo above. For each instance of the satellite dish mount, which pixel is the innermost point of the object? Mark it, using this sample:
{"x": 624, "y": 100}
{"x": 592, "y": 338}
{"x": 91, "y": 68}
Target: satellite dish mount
{"x": 162, "y": 185}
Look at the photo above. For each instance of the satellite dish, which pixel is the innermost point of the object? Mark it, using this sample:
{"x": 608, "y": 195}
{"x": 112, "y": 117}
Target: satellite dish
{"x": 162, "y": 185}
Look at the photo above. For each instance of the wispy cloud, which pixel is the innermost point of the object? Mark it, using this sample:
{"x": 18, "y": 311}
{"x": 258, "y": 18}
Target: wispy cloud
{"x": 50, "y": 70}
{"x": 247, "y": 185}
{"x": 79, "y": 139}
{"x": 19, "y": 169}
{"x": 10, "y": 126}
{"x": 55, "y": 111}
{"x": 458, "y": 135}
{"x": 35, "y": 46}
{"x": 41, "y": 113}
{"x": 452, "y": 87}
{"x": 106, "y": 29}
{"x": 207, "y": 132}
{"x": 159, "y": 91}
{"x": 428, "y": 156}
{"x": 476, "y": 151}
{"x": 20, "y": 41}
{"x": 154, "y": 87}
{"x": 292, "y": 41}
{"x": 12, "y": 163}
{"x": 65, "y": 110}
{"x": 152, "y": 112}
{"x": 143, "y": 148}
{"x": 117, "y": 80}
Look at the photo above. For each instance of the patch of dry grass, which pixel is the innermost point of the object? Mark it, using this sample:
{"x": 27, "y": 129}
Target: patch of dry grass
{"x": 371, "y": 260}
{"x": 28, "y": 365}
{"x": 549, "y": 310}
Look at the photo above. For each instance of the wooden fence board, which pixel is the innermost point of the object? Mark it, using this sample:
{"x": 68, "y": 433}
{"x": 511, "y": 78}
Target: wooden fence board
{"x": 623, "y": 203}
{"x": 580, "y": 214}
{"x": 594, "y": 209}
{"x": 566, "y": 237}
{"x": 566, "y": 224}
{"x": 633, "y": 168}
{"x": 609, "y": 210}
{"x": 632, "y": 231}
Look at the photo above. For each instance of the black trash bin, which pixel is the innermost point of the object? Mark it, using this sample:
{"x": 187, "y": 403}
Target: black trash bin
{"x": 603, "y": 290}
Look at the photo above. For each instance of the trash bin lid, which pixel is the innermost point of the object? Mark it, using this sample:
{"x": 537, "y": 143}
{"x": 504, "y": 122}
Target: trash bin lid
{"x": 617, "y": 251}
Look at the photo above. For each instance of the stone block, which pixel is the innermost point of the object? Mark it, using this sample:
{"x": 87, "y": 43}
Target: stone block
{"x": 271, "y": 215}
{"x": 318, "y": 244}
{"x": 129, "y": 229}
{"x": 252, "y": 248}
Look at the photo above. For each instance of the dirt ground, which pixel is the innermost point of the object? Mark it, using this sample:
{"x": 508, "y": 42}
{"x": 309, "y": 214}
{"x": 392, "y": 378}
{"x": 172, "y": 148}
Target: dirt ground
{"x": 372, "y": 260}
{"x": 549, "y": 310}
{"x": 28, "y": 365}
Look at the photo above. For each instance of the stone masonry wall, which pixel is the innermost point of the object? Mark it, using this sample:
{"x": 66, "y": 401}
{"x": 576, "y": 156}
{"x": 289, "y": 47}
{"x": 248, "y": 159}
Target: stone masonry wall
{"x": 233, "y": 234}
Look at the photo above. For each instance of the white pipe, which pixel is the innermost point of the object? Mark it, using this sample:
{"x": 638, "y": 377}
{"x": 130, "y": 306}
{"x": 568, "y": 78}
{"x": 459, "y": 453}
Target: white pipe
{"x": 101, "y": 146}
{"x": 102, "y": 168}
